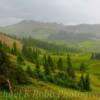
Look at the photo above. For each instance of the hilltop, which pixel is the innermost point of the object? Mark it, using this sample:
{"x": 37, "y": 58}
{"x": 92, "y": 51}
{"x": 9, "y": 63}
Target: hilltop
{"x": 84, "y": 36}
{"x": 42, "y": 29}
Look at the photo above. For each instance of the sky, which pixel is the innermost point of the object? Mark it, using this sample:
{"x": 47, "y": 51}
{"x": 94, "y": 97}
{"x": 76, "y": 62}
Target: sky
{"x": 60, "y": 11}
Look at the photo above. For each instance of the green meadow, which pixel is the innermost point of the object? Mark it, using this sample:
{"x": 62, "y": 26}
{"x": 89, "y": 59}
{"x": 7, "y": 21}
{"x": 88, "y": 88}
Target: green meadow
{"x": 37, "y": 81}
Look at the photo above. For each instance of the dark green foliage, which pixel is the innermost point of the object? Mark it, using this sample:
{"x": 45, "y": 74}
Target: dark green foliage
{"x": 24, "y": 50}
{"x": 62, "y": 79}
{"x": 37, "y": 72}
{"x": 7, "y": 70}
{"x": 60, "y": 64}
{"x": 37, "y": 67}
{"x": 1, "y": 44}
{"x": 14, "y": 50}
{"x": 45, "y": 45}
{"x": 27, "y": 53}
{"x": 10, "y": 73}
{"x": 29, "y": 71}
{"x": 57, "y": 75}
{"x": 31, "y": 54}
{"x": 84, "y": 83}
{"x": 87, "y": 82}
{"x": 6, "y": 66}
{"x": 82, "y": 67}
{"x": 95, "y": 56}
{"x": 46, "y": 66}
{"x": 21, "y": 76}
{"x": 35, "y": 54}
{"x": 50, "y": 63}
{"x": 20, "y": 59}
{"x": 70, "y": 69}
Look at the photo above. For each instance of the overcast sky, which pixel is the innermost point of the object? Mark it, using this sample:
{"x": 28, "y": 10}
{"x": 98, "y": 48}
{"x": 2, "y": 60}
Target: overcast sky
{"x": 61, "y": 11}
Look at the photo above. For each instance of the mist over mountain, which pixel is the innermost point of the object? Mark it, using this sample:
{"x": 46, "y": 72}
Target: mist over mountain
{"x": 53, "y": 31}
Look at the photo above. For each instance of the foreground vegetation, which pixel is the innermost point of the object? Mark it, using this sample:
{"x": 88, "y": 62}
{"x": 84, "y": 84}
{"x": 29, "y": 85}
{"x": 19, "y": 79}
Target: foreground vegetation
{"x": 26, "y": 72}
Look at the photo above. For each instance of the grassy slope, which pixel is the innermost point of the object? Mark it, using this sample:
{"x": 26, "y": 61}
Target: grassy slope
{"x": 77, "y": 58}
{"x": 46, "y": 91}
{"x": 93, "y": 66}
{"x": 9, "y": 41}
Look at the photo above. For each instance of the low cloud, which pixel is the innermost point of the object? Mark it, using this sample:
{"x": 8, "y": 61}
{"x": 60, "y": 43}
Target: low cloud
{"x": 61, "y": 11}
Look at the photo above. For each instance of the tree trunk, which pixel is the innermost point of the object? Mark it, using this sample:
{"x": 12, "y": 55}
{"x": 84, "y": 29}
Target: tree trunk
{"x": 9, "y": 86}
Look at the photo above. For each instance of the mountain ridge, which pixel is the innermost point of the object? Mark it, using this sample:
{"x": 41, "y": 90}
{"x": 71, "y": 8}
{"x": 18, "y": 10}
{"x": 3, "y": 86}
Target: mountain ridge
{"x": 42, "y": 30}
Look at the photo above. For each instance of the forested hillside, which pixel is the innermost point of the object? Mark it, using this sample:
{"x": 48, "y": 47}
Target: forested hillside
{"x": 36, "y": 63}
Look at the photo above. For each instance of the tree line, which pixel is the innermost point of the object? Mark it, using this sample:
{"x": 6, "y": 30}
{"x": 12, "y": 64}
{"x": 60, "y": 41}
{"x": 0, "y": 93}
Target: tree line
{"x": 60, "y": 75}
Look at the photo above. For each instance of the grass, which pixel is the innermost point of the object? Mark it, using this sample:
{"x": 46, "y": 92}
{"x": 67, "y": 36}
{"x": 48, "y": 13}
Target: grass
{"x": 55, "y": 92}
{"x": 47, "y": 91}
{"x": 9, "y": 41}
{"x": 93, "y": 66}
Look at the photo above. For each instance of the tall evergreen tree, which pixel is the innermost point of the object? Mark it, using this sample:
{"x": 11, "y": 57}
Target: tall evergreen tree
{"x": 14, "y": 49}
{"x": 20, "y": 59}
{"x": 82, "y": 67}
{"x": 28, "y": 54}
{"x": 70, "y": 69}
{"x": 50, "y": 63}
{"x": 29, "y": 71}
{"x": 82, "y": 83}
{"x": 46, "y": 66}
{"x": 37, "y": 69}
{"x": 87, "y": 82}
{"x": 60, "y": 64}
{"x": 7, "y": 69}
{"x": 24, "y": 50}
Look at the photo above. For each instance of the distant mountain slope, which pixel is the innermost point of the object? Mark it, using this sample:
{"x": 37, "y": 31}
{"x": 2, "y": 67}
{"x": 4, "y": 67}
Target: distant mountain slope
{"x": 45, "y": 31}
{"x": 32, "y": 28}
{"x": 72, "y": 37}
{"x": 84, "y": 28}
{"x": 9, "y": 41}
{"x": 35, "y": 43}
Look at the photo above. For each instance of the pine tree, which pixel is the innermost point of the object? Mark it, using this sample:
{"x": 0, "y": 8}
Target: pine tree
{"x": 14, "y": 49}
{"x": 37, "y": 67}
{"x": 87, "y": 82}
{"x": 21, "y": 75}
{"x": 20, "y": 59}
{"x": 46, "y": 66}
{"x": 60, "y": 64}
{"x": 29, "y": 71}
{"x": 92, "y": 56}
{"x": 82, "y": 67}
{"x": 24, "y": 50}
{"x": 82, "y": 83}
{"x": 7, "y": 71}
{"x": 70, "y": 69}
{"x": 50, "y": 63}
{"x": 28, "y": 54}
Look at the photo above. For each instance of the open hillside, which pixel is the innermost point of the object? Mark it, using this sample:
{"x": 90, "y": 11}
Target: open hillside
{"x": 37, "y": 29}
{"x": 9, "y": 41}
{"x": 39, "y": 70}
{"x": 83, "y": 36}
{"x": 32, "y": 28}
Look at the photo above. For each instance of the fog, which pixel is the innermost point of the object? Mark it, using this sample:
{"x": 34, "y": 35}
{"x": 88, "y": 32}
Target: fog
{"x": 60, "y": 11}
